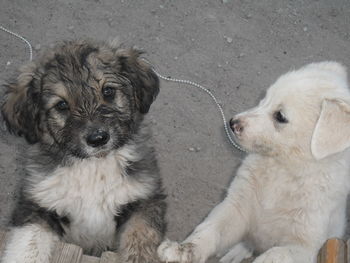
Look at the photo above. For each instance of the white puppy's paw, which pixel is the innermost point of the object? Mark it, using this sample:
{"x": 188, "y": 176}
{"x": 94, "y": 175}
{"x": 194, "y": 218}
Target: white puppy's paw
{"x": 237, "y": 254}
{"x": 170, "y": 251}
{"x": 275, "y": 255}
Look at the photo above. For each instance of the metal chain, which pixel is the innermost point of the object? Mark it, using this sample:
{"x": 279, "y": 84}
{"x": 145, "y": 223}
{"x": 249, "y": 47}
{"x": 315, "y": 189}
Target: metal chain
{"x": 191, "y": 83}
{"x": 22, "y": 38}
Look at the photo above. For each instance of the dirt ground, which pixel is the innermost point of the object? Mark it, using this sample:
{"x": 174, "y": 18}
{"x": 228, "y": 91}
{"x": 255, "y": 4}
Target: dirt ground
{"x": 235, "y": 48}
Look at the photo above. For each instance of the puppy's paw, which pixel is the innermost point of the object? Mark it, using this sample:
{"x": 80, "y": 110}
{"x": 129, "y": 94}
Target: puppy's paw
{"x": 170, "y": 251}
{"x": 275, "y": 255}
{"x": 237, "y": 254}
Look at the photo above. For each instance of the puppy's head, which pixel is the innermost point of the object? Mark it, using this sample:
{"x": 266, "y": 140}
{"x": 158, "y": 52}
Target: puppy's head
{"x": 305, "y": 114}
{"x": 84, "y": 98}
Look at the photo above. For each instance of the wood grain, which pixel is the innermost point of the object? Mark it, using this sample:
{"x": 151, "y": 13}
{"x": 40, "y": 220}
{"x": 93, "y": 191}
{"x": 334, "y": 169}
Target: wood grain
{"x": 67, "y": 253}
{"x": 333, "y": 251}
{"x": 110, "y": 257}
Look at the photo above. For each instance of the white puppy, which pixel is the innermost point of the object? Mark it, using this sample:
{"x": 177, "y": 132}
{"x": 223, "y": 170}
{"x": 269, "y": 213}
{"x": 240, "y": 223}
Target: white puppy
{"x": 289, "y": 195}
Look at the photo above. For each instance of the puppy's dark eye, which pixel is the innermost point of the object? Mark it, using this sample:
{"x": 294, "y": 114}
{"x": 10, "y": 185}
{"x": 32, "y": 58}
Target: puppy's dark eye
{"x": 108, "y": 92}
{"x": 62, "y": 105}
{"x": 279, "y": 117}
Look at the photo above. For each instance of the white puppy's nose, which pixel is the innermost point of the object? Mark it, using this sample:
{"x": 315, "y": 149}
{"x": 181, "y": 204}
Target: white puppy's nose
{"x": 236, "y": 126}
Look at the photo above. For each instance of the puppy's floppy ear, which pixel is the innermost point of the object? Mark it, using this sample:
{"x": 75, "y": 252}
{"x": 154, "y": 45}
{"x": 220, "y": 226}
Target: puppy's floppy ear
{"x": 21, "y": 106}
{"x": 332, "y": 131}
{"x": 142, "y": 77}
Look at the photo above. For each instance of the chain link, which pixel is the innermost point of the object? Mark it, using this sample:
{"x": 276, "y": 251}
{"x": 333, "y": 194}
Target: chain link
{"x": 191, "y": 83}
{"x": 21, "y": 38}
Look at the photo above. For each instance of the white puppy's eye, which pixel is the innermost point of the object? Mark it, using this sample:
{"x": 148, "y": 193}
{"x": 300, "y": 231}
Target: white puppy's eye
{"x": 279, "y": 117}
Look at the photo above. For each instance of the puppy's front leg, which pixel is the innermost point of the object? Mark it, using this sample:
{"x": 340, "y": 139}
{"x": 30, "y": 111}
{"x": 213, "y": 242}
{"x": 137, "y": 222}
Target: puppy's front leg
{"x": 31, "y": 243}
{"x": 143, "y": 232}
{"x": 224, "y": 227}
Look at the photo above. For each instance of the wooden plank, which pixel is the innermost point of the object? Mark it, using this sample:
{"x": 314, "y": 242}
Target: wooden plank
{"x": 2, "y": 242}
{"x": 89, "y": 259}
{"x": 67, "y": 253}
{"x": 333, "y": 251}
{"x": 110, "y": 257}
{"x": 348, "y": 251}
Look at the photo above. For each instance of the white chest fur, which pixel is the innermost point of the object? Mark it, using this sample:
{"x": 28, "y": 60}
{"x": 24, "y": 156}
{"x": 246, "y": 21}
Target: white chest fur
{"x": 89, "y": 192}
{"x": 286, "y": 200}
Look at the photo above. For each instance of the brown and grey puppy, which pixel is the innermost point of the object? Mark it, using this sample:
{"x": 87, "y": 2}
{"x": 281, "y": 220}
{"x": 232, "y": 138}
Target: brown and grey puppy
{"x": 91, "y": 176}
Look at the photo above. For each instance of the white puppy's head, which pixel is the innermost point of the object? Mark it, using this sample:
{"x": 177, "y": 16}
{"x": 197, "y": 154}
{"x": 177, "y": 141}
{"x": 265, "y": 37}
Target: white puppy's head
{"x": 305, "y": 114}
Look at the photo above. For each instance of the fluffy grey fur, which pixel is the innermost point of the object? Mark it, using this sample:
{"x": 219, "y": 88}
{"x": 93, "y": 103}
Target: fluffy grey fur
{"x": 92, "y": 177}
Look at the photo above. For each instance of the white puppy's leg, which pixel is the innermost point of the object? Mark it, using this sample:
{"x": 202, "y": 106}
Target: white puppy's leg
{"x": 237, "y": 254}
{"x": 225, "y": 226}
{"x": 29, "y": 244}
{"x": 287, "y": 254}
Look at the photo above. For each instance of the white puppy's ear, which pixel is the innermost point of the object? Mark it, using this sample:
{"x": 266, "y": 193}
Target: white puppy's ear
{"x": 332, "y": 131}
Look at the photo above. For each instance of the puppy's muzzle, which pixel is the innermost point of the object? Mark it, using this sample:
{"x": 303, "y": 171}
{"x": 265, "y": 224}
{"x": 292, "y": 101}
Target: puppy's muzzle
{"x": 97, "y": 138}
{"x": 236, "y": 126}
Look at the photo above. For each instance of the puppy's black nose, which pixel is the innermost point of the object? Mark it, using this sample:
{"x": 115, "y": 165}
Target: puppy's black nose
{"x": 97, "y": 138}
{"x": 236, "y": 126}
